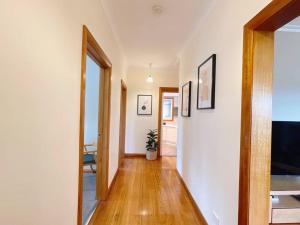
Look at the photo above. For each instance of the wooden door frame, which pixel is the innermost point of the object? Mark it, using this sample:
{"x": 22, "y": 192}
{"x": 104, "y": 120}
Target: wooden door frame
{"x": 162, "y": 90}
{"x": 122, "y": 125}
{"x": 91, "y": 47}
{"x": 256, "y": 117}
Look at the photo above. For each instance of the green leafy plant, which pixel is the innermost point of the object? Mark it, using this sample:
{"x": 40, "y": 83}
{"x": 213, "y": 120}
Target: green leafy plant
{"x": 151, "y": 144}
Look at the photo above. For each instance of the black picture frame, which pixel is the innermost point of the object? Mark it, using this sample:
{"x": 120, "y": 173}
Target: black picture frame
{"x": 212, "y": 59}
{"x": 188, "y": 86}
{"x": 138, "y": 105}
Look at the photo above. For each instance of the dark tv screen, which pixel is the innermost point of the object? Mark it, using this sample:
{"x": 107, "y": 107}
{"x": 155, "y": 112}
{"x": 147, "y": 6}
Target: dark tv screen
{"x": 285, "y": 148}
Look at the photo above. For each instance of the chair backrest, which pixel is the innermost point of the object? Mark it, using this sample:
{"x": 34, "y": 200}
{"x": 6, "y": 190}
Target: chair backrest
{"x": 93, "y": 144}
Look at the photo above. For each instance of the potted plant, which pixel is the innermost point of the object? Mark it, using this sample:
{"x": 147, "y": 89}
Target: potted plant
{"x": 151, "y": 145}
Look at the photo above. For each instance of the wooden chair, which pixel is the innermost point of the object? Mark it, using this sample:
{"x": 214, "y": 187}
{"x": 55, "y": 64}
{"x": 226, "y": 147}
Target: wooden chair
{"x": 90, "y": 156}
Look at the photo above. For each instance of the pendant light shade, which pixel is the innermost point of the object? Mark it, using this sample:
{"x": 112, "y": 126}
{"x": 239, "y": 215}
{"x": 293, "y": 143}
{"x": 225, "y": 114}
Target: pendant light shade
{"x": 150, "y": 78}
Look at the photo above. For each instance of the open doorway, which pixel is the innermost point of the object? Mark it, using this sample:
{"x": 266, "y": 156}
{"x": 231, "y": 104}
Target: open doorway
{"x": 94, "y": 127}
{"x": 256, "y": 185}
{"x": 285, "y": 142}
{"x": 167, "y": 121}
{"x": 168, "y": 145}
{"x": 91, "y": 137}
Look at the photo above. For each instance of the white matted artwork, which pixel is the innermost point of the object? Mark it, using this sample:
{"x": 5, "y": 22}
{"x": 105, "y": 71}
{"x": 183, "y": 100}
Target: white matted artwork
{"x": 144, "y": 105}
{"x": 206, "y": 84}
{"x": 186, "y": 99}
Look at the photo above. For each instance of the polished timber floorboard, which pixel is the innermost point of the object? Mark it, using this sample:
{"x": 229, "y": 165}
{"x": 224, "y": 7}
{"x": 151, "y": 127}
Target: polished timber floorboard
{"x": 147, "y": 193}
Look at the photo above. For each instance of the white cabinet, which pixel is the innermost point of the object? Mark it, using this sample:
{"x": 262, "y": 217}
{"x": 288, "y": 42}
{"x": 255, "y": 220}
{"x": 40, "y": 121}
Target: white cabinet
{"x": 169, "y": 134}
{"x": 285, "y": 210}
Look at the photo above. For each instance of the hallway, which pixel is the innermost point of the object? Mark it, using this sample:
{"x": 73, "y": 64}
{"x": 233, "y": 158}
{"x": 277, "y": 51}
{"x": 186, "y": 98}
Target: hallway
{"x": 147, "y": 193}
{"x": 83, "y": 84}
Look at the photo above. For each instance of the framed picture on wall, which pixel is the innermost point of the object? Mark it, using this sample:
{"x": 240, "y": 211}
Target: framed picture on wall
{"x": 144, "y": 105}
{"x": 168, "y": 109}
{"x": 186, "y": 99}
{"x": 206, "y": 84}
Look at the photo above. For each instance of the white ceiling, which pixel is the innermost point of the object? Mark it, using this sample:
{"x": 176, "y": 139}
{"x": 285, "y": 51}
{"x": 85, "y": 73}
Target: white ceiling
{"x": 295, "y": 22}
{"x": 293, "y": 26}
{"x": 146, "y": 37}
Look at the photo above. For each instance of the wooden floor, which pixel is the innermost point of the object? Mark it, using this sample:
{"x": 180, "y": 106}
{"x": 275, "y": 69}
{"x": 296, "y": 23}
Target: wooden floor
{"x": 147, "y": 193}
{"x": 167, "y": 149}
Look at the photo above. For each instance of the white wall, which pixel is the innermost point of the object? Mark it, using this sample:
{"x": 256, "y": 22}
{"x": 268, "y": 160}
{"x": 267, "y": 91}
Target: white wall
{"x": 209, "y": 141}
{"x": 40, "y": 63}
{"x": 138, "y": 126}
{"x": 286, "y": 80}
{"x": 92, "y": 80}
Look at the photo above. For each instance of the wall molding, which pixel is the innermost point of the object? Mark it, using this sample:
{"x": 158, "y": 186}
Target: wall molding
{"x": 135, "y": 155}
{"x": 199, "y": 214}
{"x": 113, "y": 182}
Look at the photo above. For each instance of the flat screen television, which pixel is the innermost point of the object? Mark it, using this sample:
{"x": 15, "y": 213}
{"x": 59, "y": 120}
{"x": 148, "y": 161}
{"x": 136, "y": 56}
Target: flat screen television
{"x": 285, "y": 148}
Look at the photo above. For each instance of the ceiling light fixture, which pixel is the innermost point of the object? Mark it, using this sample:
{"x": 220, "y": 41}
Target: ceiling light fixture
{"x": 150, "y": 78}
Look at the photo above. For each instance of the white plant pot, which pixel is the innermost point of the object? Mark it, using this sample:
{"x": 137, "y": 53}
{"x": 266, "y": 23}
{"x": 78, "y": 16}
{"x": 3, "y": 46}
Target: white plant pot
{"x": 151, "y": 155}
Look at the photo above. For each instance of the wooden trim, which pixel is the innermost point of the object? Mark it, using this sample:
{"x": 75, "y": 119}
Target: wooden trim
{"x": 81, "y": 131}
{"x": 113, "y": 182}
{"x": 135, "y": 155}
{"x": 104, "y": 155}
{"x": 162, "y": 90}
{"x": 261, "y": 126}
{"x": 90, "y": 47}
{"x": 275, "y": 15}
{"x": 122, "y": 126}
{"x": 245, "y": 154}
{"x": 199, "y": 214}
{"x": 94, "y": 49}
{"x": 100, "y": 131}
{"x": 256, "y": 116}
{"x": 123, "y": 84}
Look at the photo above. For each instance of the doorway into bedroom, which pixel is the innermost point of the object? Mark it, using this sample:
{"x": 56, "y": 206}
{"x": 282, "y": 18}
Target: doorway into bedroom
{"x": 270, "y": 129}
{"x": 91, "y": 137}
{"x": 168, "y": 117}
{"x": 94, "y": 127}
